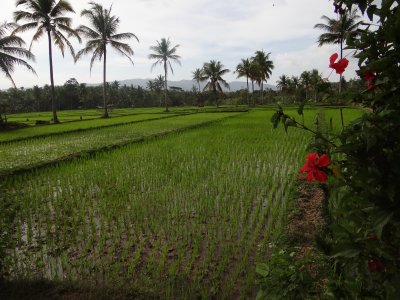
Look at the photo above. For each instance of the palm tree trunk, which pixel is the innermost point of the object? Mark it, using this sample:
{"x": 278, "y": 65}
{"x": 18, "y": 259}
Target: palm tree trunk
{"x": 248, "y": 92}
{"x": 215, "y": 94}
{"x": 104, "y": 83}
{"x": 252, "y": 94}
{"x": 262, "y": 92}
{"x": 165, "y": 86}
{"x": 53, "y": 97}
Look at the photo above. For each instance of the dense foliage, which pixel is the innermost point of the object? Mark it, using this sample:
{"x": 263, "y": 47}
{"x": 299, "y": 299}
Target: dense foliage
{"x": 364, "y": 204}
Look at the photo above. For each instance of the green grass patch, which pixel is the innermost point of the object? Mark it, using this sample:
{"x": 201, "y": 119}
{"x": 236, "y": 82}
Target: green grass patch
{"x": 30, "y": 153}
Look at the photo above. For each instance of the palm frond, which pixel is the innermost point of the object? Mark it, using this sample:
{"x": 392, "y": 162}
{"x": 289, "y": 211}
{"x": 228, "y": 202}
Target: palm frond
{"x": 122, "y": 36}
{"x": 61, "y": 8}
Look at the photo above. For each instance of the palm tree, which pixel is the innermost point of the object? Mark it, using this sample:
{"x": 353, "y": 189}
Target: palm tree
{"x": 164, "y": 53}
{"x": 265, "y": 67}
{"x": 213, "y": 72}
{"x": 11, "y": 51}
{"x": 305, "y": 79}
{"x": 198, "y": 76}
{"x": 283, "y": 83}
{"x": 338, "y": 30}
{"x": 243, "y": 69}
{"x": 48, "y": 16}
{"x": 103, "y": 33}
{"x": 315, "y": 81}
{"x": 253, "y": 75}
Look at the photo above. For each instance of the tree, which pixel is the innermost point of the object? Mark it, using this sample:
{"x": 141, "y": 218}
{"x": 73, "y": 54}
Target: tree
{"x": 102, "y": 33}
{"x": 164, "y": 53}
{"x": 265, "y": 67}
{"x": 213, "y": 72}
{"x": 305, "y": 79}
{"x": 315, "y": 81}
{"x": 243, "y": 69}
{"x": 48, "y": 16}
{"x": 283, "y": 83}
{"x": 12, "y": 53}
{"x": 338, "y": 30}
{"x": 253, "y": 75}
{"x": 198, "y": 75}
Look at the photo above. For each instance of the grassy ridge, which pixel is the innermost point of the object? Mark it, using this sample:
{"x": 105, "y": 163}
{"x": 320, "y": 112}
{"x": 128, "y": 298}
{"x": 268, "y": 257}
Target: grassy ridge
{"x": 32, "y": 132}
{"x": 29, "y": 153}
{"x": 184, "y": 216}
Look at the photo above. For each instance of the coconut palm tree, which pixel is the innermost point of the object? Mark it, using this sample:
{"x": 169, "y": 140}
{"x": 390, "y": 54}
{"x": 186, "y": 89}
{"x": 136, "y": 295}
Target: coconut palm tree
{"x": 315, "y": 81}
{"x": 48, "y": 17}
{"x": 338, "y": 30}
{"x": 283, "y": 83}
{"x": 164, "y": 53}
{"x": 213, "y": 72}
{"x": 265, "y": 67}
{"x": 198, "y": 76}
{"x": 253, "y": 76}
{"x": 102, "y": 33}
{"x": 305, "y": 79}
{"x": 243, "y": 69}
{"x": 12, "y": 52}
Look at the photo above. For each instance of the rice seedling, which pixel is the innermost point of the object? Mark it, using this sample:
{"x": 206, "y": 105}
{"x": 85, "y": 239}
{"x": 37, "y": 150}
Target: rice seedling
{"x": 30, "y": 153}
{"x": 183, "y": 216}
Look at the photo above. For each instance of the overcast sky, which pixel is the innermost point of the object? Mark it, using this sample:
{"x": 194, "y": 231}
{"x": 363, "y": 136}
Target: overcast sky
{"x": 205, "y": 29}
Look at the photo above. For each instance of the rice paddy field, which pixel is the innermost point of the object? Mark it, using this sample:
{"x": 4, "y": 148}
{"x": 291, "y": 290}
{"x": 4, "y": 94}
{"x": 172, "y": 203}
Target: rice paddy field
{"x": 183, "y": 214}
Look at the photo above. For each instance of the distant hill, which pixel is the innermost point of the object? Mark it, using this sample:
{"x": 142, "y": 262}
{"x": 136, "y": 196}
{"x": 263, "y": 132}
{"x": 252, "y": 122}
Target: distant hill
{"x": 187, "y": 85}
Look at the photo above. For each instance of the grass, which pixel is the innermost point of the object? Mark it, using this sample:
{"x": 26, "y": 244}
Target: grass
{"x": 33, "y": 152}
{"x": 89, "y": 114}
{"x": 32, "y": 132}
{"x": 183, "y": 216}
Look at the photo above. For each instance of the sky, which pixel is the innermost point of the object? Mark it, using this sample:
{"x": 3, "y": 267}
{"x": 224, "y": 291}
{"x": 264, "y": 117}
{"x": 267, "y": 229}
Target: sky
{"x": 205, "y": 29}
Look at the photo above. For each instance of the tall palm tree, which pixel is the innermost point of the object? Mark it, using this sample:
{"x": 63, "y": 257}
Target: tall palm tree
{"x": 338, "y": 30}
{"x": 102, "y": 33}
{"x": 254, "y": 75}
{"x": 265, "y": 67}
{"x": 164, "y": 53}
{"x": 48, "y": 17}
{"x": 12, "y": 52}
{"x": 198, "y": 76}
{"x": 243, "y": 69}
{"x": 213, "y": 72}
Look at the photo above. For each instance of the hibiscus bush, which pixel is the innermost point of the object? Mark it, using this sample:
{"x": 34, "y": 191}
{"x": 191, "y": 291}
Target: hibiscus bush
{"x": 364, "y": 184}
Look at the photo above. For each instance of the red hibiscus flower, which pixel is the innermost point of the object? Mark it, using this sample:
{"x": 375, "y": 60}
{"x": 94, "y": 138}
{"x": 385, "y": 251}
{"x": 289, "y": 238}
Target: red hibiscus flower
{"x": 370, "y": 78}
{"x": 373, "y": 237}
{"x": 314, "y": 165}
{"x": 375, "y": 265}
{"x": 340, "y": 65}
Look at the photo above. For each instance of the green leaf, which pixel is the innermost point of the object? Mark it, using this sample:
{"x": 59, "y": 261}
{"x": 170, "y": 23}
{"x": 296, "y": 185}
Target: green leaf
{"x": 260, "y": 295}
{"x": 262, "y": 269}
{"x": 300, "y": 110}
{"x": 275, "y": 119}
{"x": 349, "y": 253}
{"x": 382, "y": 218}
